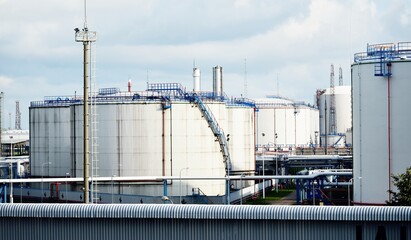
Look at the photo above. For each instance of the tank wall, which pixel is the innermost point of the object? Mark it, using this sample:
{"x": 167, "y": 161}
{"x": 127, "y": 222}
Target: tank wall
{"x": 342, "y": 108}
{"x": 131, "y": 144}
{"x": 371, "y": 131}
{"x": 240, "y": 126}
{"x": 142, "y": 139}
{"x": 50, "y": 140}
{"x": 291, "y": 128}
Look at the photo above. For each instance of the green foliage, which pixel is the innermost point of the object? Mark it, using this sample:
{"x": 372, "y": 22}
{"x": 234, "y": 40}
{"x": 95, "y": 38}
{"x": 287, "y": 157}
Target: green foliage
{"x": 270, "y": 196}
{"x": 403, "y": 183}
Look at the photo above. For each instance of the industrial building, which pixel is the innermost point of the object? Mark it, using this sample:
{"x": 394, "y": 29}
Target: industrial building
{"x": 283, "y": 123}
{"x": 381, "y": 117}
{"x": 163, "y": 131}
{"x": 15, "y": 143}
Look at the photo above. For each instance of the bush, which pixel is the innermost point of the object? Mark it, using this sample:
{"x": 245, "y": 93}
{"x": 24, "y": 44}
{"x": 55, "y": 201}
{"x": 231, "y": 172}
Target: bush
{"x": 403, "y": 183}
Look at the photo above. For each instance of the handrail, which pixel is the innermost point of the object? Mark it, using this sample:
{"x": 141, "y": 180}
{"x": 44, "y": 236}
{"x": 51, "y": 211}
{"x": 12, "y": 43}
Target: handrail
{"x": 389, "y": 51}
{"x": 216, "y": 129}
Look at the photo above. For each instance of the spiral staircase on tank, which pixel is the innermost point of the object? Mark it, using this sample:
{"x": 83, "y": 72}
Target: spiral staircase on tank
{"x": 216, "y": 129}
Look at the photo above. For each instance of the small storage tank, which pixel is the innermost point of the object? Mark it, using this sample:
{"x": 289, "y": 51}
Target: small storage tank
{"x": 196, "y": 80}
{"x": 342, "y": 101}
{"x": 381, "y": 119}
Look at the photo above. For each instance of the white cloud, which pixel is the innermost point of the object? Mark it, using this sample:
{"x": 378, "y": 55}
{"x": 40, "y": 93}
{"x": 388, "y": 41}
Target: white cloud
{"x": 5, "y": 81}
{"x": 296, "y": 39}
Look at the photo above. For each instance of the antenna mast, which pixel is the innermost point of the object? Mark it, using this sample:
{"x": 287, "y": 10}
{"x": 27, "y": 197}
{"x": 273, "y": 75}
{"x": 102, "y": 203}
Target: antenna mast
{"x": 86, "y": 37}
{"x": 332, "y": 104}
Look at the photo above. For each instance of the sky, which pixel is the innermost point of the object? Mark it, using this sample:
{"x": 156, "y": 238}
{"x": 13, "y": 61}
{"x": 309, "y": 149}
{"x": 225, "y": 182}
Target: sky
{"x": 266, "y": 47}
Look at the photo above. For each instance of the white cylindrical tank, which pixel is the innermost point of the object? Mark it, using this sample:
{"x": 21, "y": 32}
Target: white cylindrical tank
{"x": 196, "y": 80}
{"x": 381, "y": 119}
{"x": 143, "y": 138}
{"x": 217, "y": 81}
{"x": 342, "y": 100}
{"x": 284, "y": 123}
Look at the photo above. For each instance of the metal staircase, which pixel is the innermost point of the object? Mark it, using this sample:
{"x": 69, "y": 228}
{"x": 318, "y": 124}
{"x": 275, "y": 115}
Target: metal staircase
{"x": 383, "y": 54}
{"x": 216, "y": 129}
{"x": 178, "y": 91}
{"x": 199, "y": 197}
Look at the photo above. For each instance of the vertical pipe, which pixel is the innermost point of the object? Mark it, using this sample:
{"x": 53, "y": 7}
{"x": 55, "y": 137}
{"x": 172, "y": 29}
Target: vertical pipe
{"x": 171, "y": 140}
{"x": 325, "y": 128}
{"x": 163, "y": 140}
{"x": 389, "y": 130}
{"x": 85, "y": 122}
{"x": 165, "y": 187}
{"x": 297, "y": 189}
{"x": 4, "y": 193}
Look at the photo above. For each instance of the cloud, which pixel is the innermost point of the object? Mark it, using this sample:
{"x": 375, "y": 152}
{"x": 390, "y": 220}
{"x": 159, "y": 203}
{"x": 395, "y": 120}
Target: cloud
{"x": 5, "y": 81}
{"x": 296, "y": 40}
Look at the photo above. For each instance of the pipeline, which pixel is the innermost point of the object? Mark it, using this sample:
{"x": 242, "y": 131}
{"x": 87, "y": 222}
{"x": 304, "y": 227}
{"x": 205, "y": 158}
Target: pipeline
{"x": 389, "y": 130}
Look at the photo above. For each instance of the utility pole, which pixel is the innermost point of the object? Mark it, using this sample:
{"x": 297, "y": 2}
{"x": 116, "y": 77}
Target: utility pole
{"x": 333, "y": 120}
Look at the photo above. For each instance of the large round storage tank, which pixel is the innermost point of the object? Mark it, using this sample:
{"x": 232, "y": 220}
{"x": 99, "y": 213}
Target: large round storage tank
{"x": 342, "y": 101}
{"x": 283, "y": 123}
{"x": 381, "y": 119}
{"x": 143, "y": 137}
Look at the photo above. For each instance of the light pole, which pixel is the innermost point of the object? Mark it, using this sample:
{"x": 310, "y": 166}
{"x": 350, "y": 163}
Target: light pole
{"x": 241, "y": 197}
{"x": 42, "y": 174}
{"x": 276, "y": 172}
{"x": 67, "y": 175}
{"x": 180, "y": 180}
{"x": 11, "y": 170}
{"x": 112, "y": 187}
{"x": 349, "y": 193}
{"x": 263, "y": 176}
{"x": 11, "y": 184}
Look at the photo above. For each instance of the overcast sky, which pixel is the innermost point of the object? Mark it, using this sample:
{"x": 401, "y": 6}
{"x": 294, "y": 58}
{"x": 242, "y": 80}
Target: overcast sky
{"x": 294, "y": 41}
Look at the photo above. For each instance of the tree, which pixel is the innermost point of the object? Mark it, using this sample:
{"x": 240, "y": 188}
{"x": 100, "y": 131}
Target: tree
{"x": 403, "y": 183}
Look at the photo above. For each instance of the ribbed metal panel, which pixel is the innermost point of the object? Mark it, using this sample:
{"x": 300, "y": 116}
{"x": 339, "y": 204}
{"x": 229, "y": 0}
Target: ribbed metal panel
{"x": 168, "y": 211}
{"x": 79, "y": 221}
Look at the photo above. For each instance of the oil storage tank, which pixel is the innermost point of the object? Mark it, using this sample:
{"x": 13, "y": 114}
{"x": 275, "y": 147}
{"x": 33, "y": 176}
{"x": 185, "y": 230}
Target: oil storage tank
{"x": 336, "y": 134}
{"x": 284, "y": 123}
{"x": 163, "y": 131}
{"x": 381, "y": 117}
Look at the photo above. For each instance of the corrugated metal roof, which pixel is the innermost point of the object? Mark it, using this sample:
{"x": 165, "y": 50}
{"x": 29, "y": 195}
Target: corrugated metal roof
{"x": 335, "y": 213}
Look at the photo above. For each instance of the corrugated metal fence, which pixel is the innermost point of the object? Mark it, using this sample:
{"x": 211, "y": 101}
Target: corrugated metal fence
{"x": 144, "y": 221}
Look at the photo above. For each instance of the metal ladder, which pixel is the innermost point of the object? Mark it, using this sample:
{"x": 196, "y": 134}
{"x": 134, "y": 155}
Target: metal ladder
{"x": 93, "y": 127}
{"x": 384, "y": 54}
{"x": 216, "y": 129}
